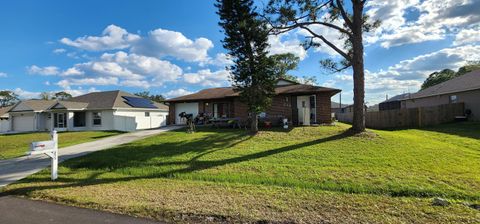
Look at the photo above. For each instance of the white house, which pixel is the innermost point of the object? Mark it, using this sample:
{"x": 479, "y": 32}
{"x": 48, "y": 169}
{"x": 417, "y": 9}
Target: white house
{"x": 4, "y": 121}
{"x": 110, "y": 110}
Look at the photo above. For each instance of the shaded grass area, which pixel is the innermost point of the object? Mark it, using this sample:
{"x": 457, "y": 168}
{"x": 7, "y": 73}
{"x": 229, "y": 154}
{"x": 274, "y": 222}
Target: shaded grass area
{"x": 16, "y": 145}
{"x": 310, "y": 174}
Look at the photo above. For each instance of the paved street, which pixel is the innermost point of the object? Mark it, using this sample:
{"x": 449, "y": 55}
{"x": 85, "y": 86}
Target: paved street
{"x": 15, "y": 169}
{"x": 18, "y": 210}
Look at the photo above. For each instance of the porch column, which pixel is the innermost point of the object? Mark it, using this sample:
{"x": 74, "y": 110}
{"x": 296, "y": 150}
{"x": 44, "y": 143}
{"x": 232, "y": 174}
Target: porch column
{"x": 69, "y": 121}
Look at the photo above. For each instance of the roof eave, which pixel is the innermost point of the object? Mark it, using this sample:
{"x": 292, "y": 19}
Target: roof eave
{"x": 445, "y": 93}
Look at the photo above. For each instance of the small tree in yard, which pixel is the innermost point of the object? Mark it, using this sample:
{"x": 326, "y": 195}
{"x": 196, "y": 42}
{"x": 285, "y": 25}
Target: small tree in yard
{"x": 286, "y": 15}
{"x": 246, "y": 37}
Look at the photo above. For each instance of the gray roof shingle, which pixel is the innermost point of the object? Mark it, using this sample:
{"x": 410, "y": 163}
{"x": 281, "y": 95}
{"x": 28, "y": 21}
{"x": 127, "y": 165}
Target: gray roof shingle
{"x": 225, "y": 92}
{"x": 469, "y": 81}
{"x": 107, "y": 100}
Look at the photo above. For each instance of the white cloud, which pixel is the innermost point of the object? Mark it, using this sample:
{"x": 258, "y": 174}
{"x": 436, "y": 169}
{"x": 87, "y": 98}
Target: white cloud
{"x": 79, "y": 91}
{"x": 48, "y": 70}
{"x": 72, "y": 72}
{"x": 113, "y": 37}
{"x": 220, "y": 60}
{"x": 136, "y": 83}
{"x": 467, "y": 36}
{"x": 435, "y": 20}
{"x": 408, "y": 75}
{"x": 160, "y": 70}
{"x": 59, "y": 51}
{"x": 206, "y": 77}
{"x": 411, "y": 35}
{"x": 162, "y": 43}
{"x": 177, "y": 92}
{"x": 23, "y": 94}
{"x": 100, "y": 81}
{"x": 286, "y": 43}
{"x": 3, "y": 75}
{"x": 127, "y": 69}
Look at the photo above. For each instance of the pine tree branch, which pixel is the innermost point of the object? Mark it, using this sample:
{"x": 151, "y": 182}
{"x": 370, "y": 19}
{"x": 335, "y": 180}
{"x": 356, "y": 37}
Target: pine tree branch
{"x": 344, "y": 14}
{"x": 330, "y": 44}
{"x": 283, "y": 29}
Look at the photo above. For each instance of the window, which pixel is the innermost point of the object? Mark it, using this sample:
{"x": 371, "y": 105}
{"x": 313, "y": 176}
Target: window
{"x": 453, "y": 98}
{"x": 97, "y": 118}
{"x": 220, "y": 110}
{"x": 79, "y": 119}
{"x": 147, "y": 114}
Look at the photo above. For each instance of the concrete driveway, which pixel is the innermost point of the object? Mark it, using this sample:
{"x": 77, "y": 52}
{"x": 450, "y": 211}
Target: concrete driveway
{"x": 15, "y": 169}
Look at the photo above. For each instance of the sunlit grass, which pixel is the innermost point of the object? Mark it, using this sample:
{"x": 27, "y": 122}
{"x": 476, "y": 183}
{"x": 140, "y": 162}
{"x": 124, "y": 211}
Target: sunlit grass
{"x": 309, "y": 174}
{"x": 16, "y": 145}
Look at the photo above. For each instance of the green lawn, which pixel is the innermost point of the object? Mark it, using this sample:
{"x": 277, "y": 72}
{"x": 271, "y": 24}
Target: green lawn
{"x": 305, "y": 175}
{"x": 16, "y": 145}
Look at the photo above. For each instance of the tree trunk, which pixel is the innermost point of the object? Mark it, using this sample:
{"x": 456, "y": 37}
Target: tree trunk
{"x": 358, "y": 69}
{"x": 254, "y": 125}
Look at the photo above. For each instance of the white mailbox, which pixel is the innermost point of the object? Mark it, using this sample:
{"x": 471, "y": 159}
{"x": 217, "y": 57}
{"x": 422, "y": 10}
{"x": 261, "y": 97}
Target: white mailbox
{"x": 49, "y": 148}
{"x": 40, "y": 147}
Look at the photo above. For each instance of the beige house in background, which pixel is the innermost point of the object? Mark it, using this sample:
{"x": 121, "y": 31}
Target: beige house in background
{"x": 463, "y": 89}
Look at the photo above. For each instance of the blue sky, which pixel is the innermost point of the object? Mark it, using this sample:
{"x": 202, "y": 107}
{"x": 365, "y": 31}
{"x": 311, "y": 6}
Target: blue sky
{"x": 173, "y": 47}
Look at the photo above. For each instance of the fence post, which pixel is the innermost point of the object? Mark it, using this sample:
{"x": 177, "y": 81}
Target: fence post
{"x": 419, "y": 109}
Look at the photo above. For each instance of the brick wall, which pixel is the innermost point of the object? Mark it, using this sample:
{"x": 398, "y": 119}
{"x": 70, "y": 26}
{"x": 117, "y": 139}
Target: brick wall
{"x": 239, "y": 109}
{"x": 171, "y": 114}
{"x": 324, "y": 112}
{"x": 282, "y": 106}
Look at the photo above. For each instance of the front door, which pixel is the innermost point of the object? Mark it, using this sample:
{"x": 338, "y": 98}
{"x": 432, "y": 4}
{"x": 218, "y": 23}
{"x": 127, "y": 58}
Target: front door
{"x": 59, "y": 120}
{"x": 303, "y": 105}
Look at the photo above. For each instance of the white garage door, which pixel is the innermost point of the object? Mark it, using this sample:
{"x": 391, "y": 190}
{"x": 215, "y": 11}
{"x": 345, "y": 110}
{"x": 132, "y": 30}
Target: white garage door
{"x": 23, "y": 123}
{"x": 4, "y": 125}
{"x": 189, "y": 108}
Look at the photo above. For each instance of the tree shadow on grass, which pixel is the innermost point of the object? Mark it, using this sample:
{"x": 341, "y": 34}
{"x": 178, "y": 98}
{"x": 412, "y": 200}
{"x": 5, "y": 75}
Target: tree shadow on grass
{"x": 130, "y": 157}
{"x": 462, "y": 129}
{"x": 127, "y": 157}
{"x": 466, "y": 129}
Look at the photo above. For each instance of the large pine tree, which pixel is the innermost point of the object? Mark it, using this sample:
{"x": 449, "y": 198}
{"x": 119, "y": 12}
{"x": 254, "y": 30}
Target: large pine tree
{"x": 246, "y": 37}
{"x": 334, "y": 16}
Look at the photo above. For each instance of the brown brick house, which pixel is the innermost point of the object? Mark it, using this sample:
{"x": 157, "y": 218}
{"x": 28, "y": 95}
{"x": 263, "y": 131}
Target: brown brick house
{"x": 301, "y": 104}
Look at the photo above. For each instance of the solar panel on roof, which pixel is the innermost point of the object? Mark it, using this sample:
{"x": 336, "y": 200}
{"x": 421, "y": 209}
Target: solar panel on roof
{"x": 138, "y": 102}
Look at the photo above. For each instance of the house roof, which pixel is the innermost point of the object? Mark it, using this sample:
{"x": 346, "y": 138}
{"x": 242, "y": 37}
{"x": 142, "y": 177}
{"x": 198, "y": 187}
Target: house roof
{"x": 335, "y": 105}
{"x": 71, "y": 105}
{"x": 32, "y": 105}
{"x": 4, "y": 111}
{"x": 95, "y": 100}
{"x": 469, "y": 81}
{"x": 226, "y": 92}
{"x": 398, "y": 97}
{"x": 106, "y": 100}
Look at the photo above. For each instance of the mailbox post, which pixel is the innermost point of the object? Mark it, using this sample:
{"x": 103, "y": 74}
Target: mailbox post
{"x": 49, "y": 148}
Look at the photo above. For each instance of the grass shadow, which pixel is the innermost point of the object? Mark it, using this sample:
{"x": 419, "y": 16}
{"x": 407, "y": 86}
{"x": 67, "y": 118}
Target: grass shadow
{"x": 126, "y": 156}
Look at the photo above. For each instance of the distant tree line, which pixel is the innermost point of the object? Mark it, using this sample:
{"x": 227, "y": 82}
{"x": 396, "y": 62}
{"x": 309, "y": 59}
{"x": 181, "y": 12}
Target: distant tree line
{"x": 153, "y": 97}
{"x": 62, "y": 95}
{"x": 447, "y": 74}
